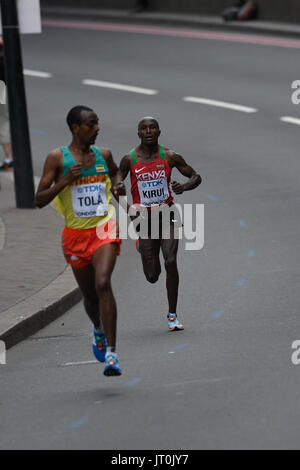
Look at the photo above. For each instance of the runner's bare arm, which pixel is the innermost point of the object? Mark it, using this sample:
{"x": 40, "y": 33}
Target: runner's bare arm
{"x": 178, "y": 162}
{"x": 118, "y": 187}
{"x": 52, "y": 168}
{"x": 125, "y": 166}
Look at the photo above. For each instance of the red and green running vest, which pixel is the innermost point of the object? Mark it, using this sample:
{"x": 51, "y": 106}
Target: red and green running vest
{"x": 150, "y": 181}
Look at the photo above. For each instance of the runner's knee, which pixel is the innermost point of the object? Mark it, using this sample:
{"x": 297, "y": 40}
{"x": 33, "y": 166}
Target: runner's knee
{"x": 152, "y": 277}
{"x": 102, "y": 284}
{"x": 171, "y": 262}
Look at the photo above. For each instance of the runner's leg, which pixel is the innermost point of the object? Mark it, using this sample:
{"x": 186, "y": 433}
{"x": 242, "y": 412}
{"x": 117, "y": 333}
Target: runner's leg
{"x": 150, "y": 259}
{"x": 85, "y": 278}
{"x": 169, "y": 249}
{"x": 104, "y": 260}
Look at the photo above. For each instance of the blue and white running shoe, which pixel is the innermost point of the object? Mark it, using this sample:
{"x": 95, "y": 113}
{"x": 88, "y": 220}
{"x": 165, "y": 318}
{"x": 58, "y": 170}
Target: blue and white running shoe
{"x": 173, "y": 323}
{"x": 111, "y": 366}
{"x": 99, "y": 346}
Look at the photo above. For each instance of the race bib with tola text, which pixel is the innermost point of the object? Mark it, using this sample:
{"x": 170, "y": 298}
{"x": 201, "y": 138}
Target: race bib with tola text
{"x": 89, "y": 200}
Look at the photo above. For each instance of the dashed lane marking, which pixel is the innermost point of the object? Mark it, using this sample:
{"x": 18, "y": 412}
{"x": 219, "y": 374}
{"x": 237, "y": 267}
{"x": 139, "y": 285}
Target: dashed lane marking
{"x": 290, "y": 120}
{"x": 37, "y": 73}
{"x": 220, "y": 104}
{"x": 119, "y": 86}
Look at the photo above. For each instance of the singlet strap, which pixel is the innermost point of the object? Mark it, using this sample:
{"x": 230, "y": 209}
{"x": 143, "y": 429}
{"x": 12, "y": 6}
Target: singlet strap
{"x": 99, "y": 160}
{"x": 68, "y": 159}
{"x": 134, "y": 159}
{"x": 65, "y": 151}
{"x": 133, "y": 156}
{"x": 162, "y": 152}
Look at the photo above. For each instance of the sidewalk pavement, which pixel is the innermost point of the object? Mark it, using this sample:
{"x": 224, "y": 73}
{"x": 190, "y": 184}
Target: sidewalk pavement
{"x": 36, "y": 284}
{"x": 32, "y": 297}
{"x": 172, "y": 19}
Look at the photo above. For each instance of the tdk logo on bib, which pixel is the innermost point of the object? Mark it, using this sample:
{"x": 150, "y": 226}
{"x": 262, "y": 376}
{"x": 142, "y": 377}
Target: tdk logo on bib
{"x": 152, "y": 184}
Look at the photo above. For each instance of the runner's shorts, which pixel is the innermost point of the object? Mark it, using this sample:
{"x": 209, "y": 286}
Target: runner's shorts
{"x": 155, "y": 223}
{"x": 79, "y": 245}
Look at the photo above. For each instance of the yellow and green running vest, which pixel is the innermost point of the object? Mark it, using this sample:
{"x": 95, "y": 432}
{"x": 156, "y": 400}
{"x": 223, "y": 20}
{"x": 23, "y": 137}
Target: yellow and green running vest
{"x": 86, "y": 202}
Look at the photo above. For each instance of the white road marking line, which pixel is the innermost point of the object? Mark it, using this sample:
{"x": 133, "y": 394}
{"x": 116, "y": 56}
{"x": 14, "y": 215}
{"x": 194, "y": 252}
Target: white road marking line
{"x": 220, "y": 104}
{"x": 37, "y": 73}
{"x": 79, "y": 363}
{"x": 190, "y": 382}
{"x": 119, "y": 86}
{"x": 290, "y": 120}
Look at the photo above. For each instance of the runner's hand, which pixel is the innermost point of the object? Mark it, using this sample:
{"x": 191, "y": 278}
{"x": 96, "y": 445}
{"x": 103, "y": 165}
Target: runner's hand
{"x": 74, "y": 173}
{"x": 177, "y": 187}
{"x": 119, "y": 189}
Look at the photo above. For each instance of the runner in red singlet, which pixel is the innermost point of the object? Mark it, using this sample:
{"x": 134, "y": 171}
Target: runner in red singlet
{"x": 150, "y": 166}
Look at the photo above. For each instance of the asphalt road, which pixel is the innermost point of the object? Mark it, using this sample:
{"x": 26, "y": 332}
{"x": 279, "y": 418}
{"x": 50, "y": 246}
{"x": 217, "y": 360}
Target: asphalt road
{"x": 227, "y": 381}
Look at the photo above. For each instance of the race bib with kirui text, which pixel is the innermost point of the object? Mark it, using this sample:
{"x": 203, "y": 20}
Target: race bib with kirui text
{"x": 89, "y": 200}
{"x": 154, "y": 192}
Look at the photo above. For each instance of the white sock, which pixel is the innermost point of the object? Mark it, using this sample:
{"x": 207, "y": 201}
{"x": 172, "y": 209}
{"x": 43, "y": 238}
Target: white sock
{"x": 111, "y": 351}
{"x": 8, "y": 160}
{"x": 100, "y": 329}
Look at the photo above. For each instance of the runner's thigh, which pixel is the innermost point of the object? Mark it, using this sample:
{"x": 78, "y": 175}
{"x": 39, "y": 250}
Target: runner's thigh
{"x": 150, "y": 255}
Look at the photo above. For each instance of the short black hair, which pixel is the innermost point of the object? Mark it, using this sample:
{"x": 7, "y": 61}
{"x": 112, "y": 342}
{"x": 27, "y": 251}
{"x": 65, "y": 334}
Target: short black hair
{"x": 148, "y": 118}
{"x": 74, "y": 115}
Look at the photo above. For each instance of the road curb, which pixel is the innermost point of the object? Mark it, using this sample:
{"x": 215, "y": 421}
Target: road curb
{"x": 30, "y": 315}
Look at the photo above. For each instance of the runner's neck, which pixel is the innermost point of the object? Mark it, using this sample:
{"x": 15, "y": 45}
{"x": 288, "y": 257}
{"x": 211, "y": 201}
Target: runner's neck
{"x": 84, "y": 149}
{"x": 147, "y": 152}
{"x": 83, "y": 153}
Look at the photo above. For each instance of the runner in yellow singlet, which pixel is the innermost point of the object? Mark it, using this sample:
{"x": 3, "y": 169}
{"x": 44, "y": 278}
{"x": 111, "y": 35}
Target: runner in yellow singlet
{"x": 80, "y": 179}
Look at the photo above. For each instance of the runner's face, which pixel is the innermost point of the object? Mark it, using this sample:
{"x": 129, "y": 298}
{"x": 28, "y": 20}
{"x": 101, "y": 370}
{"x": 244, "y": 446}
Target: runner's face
{"x": 148, "y": 131}
{"x": 89, "y": 128}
